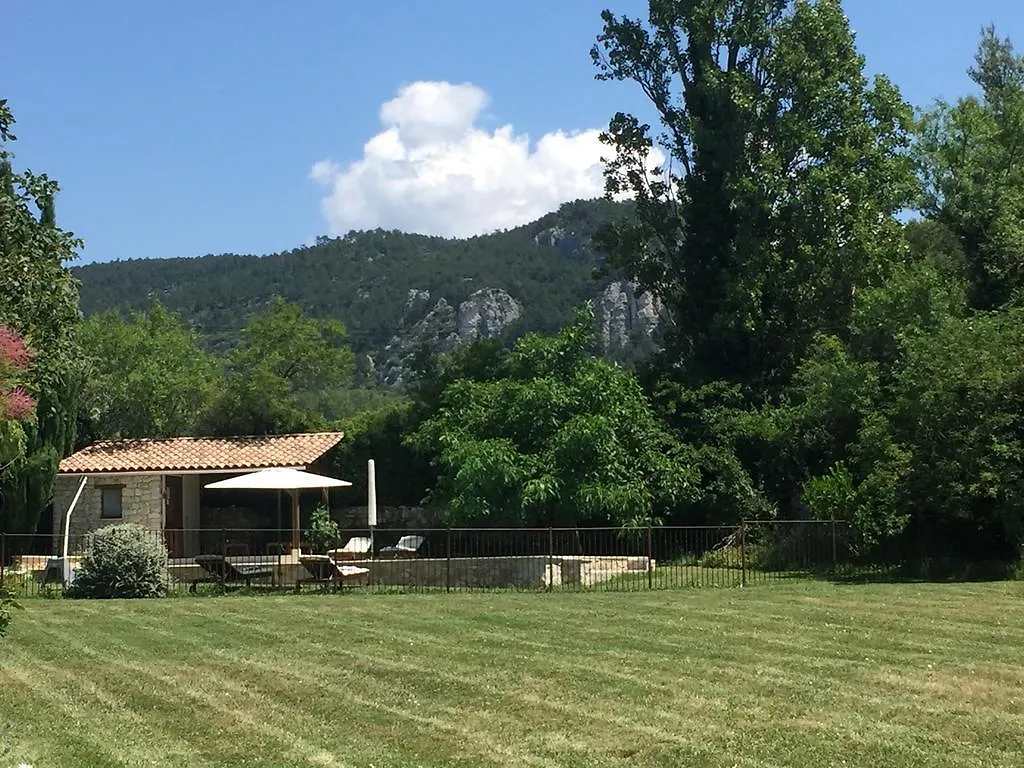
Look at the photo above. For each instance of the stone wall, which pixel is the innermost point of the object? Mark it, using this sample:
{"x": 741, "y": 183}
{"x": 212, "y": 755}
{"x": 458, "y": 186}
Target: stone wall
{"x": 140, "y": 503}
{"x": 528, "y": 572}
{"x": 394, "y": 518}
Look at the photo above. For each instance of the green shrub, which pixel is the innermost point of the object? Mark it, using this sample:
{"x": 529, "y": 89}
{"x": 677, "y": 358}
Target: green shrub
{"x": 728, "y": 556}
{"x": 323, "y": 531}
{"x": 123, "y": 561}
{"x": 7, "y": 605}
{"x": 17, "y": 583}
{"x": 1017, "y": 570}
{"x": 786, "y": 547}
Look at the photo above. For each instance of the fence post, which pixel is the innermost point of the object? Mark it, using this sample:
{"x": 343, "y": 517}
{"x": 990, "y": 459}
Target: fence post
{"x": 835, "y": 551}
{"x": 448, "y": 560}
{"x": 551, "y": 558}
{"x": 224, "y": 554}
{"x": 743, "y": 554}
{"x": 650, "y": 564}
{"x": 3, "y": 557}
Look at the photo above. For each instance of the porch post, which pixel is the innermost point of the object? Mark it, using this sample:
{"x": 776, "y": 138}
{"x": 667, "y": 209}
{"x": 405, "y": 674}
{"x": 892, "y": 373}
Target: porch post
{"x": 296, "y": 543}
{"x": 163, "y": 510}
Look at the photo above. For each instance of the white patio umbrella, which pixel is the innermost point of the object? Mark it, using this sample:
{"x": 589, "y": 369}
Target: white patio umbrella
{"x": 281, "y": 479}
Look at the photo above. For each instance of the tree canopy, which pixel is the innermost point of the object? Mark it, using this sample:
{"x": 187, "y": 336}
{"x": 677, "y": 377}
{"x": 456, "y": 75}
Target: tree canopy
{"x": 555, "y": 436}
{"x": 972, "y": 166}
{"x": 283, "y": 360}
{"x": 149, "y": 375}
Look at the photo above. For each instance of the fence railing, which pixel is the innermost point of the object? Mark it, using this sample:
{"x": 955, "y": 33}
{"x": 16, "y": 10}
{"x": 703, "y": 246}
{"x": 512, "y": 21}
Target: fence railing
{"x": 458, "y": 559}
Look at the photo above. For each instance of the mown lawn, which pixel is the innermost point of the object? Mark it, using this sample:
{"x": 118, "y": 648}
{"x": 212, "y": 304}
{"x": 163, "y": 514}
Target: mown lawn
{"x": 794, "y": 674}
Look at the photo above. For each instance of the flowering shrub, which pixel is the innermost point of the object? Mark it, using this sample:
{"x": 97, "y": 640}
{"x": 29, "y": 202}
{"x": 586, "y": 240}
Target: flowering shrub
{"x": 13, "y": 349}
{"x": 19, "y": 404}
{"x": 16, "y": 404}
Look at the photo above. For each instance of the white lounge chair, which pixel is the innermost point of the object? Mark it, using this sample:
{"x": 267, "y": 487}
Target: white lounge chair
{"x": 407, "y": 546}
{"x": 354, "y": 549}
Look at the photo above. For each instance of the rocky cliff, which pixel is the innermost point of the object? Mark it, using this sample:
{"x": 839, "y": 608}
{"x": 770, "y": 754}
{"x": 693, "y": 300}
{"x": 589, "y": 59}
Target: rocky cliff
{"x": 624, "y": 316}
{"x": 486, "y": 314}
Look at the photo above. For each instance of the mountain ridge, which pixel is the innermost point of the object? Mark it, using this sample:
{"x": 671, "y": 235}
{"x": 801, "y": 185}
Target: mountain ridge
{"x": 395, "y": 291}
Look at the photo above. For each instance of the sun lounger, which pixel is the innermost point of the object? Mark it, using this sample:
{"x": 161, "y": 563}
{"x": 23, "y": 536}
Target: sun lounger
{"x": 354, "y": 549}
{"x": 222, "y": 570}
{"x": 407, "y": 546}
{"x": 327, "y": 572}
{"x": 54, "y": 572}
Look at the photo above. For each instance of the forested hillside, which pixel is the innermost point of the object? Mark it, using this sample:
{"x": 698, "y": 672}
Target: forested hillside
{"x": 379, "y": 283}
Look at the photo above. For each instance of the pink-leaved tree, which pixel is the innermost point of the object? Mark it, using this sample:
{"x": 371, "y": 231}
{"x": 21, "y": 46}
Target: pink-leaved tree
{"x": 16, "y": 404}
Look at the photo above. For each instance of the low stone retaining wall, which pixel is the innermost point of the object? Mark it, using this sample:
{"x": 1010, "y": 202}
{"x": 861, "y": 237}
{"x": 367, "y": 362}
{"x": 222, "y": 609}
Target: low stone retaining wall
{"x": 531, "y": 571}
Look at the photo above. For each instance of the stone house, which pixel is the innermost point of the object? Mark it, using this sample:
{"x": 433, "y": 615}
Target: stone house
{"x": 158, "y": 483}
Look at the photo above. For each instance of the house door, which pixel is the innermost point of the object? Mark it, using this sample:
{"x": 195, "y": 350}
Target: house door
{"x": 174, "y": 519}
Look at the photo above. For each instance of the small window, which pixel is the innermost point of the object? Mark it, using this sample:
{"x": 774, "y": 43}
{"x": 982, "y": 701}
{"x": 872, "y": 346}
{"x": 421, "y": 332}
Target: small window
{"x": 110, "y": 501}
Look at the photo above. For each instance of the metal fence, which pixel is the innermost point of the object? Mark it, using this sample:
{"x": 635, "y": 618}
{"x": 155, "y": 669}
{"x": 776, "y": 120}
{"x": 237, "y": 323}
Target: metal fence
{"x": 214, "y": 561}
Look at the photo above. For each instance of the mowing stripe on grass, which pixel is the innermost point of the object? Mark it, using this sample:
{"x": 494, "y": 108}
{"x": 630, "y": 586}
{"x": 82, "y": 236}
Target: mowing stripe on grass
{"x": 794, "y": 674}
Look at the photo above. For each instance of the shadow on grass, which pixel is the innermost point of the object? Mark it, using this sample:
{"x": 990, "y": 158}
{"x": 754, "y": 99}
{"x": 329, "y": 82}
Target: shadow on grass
{"x": 675, "y": 576}
{"x": 902, "y": 574}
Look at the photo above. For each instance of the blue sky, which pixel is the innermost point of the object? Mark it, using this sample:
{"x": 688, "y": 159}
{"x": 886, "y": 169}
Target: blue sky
{"x": 193, "y": 127}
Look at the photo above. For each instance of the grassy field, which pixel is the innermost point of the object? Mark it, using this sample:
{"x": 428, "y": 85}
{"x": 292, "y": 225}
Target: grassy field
{"x": 795, "y": 674}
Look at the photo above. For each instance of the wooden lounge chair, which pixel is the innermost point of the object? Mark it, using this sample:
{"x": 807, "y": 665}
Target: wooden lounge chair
{"x": 355, "y": 549}
{"x": 327, "y": 572}
{"x": 407, "y": 546}
{"x": 222, "y": 570}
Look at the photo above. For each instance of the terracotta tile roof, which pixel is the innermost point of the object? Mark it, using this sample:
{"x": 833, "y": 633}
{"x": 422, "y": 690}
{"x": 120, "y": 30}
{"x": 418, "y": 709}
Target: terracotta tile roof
{"x": 181, "y": 454}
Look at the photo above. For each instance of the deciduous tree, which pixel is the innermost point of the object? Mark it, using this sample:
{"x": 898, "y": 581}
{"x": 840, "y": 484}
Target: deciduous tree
{"x": 149, "y": 375}
{"x": 39, "y": 300}
{"x": 557, "y": 437}
{"x": 957, "y": 408}
{"x": 284, "y": 358}
{"x": 971, "y": 157}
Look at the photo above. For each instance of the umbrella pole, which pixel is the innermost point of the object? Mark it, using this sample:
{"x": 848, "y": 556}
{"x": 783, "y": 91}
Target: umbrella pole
{"x": 295, "y": 521}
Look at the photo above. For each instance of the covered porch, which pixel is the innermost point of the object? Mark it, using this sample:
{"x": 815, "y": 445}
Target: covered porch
{"x": 234, "y": 522}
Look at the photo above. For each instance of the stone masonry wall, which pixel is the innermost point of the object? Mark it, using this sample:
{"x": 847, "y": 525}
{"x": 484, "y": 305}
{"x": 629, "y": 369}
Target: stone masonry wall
{"x": 501, "y": 572}
{"x": 140, "y": 503}
{"x": 395, "y": 518}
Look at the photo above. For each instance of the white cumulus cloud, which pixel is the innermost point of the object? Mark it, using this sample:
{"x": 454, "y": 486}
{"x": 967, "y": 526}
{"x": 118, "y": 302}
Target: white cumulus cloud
{"x": 434, "y": 170}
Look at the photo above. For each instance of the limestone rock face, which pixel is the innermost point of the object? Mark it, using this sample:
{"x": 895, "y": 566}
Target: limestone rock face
{"x": 486, "y": 314}
{"x": 415, "y": 303}
{"x": 624, "y": 316}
